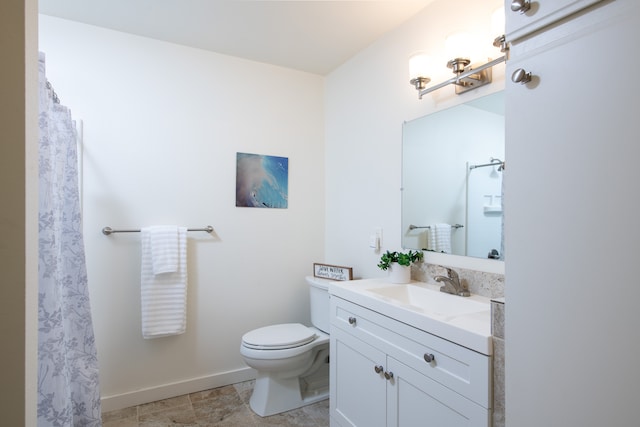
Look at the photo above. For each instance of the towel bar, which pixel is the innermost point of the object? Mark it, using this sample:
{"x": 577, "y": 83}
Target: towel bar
{"x": 108, "y": 230}
{"x": 413, "y": 227}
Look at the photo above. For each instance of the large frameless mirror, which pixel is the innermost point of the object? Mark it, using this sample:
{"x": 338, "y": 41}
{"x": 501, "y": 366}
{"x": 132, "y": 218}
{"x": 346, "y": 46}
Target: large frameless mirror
{"x": 452, "y": 180}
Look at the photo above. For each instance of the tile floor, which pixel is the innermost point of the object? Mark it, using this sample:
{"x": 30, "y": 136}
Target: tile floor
{"x": 226, "y": 406}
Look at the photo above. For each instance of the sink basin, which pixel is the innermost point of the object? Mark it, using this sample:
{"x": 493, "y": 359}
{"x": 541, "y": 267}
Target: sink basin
{"x": 465, "y": 321}
{"x": 433, "y": 302}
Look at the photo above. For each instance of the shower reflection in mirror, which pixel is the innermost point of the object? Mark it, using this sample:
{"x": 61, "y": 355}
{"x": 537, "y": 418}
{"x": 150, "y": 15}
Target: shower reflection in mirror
{"x": 484, "y": 209}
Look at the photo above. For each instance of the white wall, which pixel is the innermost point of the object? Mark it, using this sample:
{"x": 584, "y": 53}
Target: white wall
{"x": 367, "y": 100}
{"x": 162, "y": 125}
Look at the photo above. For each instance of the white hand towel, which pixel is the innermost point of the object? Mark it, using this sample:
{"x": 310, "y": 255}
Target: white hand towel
{"x": 431, "y": 238}
{"x": 164, "y": 248}
{"x": 163, "y": 296}
{"x": 443, "y": 237}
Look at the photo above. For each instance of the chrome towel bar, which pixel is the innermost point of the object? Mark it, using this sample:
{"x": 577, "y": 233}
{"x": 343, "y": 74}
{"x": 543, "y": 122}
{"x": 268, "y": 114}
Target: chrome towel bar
{"x": 413, "y": 227}
{"x": 108, "y": 230}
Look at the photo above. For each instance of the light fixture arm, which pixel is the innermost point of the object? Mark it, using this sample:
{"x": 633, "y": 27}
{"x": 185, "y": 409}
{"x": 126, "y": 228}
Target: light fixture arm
{"x": 459, "y": 79}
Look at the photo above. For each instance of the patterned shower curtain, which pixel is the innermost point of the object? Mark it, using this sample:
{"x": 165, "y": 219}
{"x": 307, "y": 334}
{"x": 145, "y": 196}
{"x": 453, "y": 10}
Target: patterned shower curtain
{"x": 68, "y": 393}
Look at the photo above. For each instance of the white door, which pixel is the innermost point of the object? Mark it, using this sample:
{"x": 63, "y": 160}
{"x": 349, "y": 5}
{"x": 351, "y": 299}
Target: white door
{"x": 572, "y": 224}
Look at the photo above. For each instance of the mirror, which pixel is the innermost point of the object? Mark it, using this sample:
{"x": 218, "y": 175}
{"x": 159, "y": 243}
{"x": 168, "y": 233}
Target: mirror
{"x": 452, "y": 167}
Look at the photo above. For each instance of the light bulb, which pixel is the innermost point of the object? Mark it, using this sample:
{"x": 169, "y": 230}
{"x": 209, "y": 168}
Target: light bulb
{"x": 459, "y": 45}
{"x": 419, "y": 65}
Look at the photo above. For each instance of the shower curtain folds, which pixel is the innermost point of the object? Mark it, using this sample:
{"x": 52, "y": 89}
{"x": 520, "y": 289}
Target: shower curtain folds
{"x": 68, "y": 391}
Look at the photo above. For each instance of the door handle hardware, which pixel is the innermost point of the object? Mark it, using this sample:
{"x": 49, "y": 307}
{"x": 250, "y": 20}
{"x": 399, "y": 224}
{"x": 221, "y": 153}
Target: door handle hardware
{"x": 520, "y": 5}
{"x": 521, "y": 76}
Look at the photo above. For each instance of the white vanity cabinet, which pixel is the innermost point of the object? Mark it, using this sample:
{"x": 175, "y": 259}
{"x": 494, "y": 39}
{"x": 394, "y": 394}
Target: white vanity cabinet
{"x": 381, "y": 376}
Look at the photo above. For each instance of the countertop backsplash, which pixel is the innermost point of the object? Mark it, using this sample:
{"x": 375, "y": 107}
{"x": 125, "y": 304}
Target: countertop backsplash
{"x": 490, "y": 285}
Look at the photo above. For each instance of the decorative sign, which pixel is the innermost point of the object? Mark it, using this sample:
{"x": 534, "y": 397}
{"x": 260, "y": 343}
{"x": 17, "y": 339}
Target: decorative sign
{"x": 333, "y": 272}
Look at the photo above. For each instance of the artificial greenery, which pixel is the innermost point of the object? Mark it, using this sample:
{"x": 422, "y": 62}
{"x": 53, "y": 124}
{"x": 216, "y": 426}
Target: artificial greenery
{"x": 402, "y": 258}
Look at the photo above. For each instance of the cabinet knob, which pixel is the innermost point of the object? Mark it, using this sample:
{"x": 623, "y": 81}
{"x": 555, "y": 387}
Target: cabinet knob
{"x": 428, "y": 357}
{"x": 521, "y": 76}
{"x": 388, "y": 375}
{"x": 352, "y": 320}
{"x": 378, "y": 369}
{"x": 520, "y": 5}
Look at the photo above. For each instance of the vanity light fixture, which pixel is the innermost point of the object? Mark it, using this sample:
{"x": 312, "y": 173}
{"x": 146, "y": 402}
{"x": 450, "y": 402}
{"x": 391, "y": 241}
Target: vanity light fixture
{"x": 468, "y": 76}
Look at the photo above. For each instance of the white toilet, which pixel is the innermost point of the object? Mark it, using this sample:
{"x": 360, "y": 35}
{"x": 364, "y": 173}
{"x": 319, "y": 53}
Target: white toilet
{"x": 292, "y": 360}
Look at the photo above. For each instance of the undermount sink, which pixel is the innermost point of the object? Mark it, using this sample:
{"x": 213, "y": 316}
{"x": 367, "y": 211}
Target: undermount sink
{"x": 430, "y": 301}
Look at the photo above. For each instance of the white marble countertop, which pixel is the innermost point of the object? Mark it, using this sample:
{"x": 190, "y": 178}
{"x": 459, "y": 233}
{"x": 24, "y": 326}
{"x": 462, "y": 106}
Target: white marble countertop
{"x": 446, "y": 316}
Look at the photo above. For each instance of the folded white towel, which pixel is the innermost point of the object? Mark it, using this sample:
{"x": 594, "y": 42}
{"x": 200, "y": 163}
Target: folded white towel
{"x": 442, "y": 237}
{"x": 163, "y": 296}
{"x": 431, "y": 238}
{"x": 164, "y": 248}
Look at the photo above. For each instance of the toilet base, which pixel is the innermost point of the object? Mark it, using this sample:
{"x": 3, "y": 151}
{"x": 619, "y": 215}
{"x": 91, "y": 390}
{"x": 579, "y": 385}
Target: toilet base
{"x": 272, "y": 395}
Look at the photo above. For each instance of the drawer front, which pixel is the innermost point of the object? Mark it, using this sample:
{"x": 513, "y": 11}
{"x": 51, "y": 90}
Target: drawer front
{"x": 455, "y": 367}
{"x": 541, "y": 14}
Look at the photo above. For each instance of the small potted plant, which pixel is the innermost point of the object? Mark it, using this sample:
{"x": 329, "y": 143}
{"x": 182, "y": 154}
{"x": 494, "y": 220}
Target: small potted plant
{"x": 399, "y": 264}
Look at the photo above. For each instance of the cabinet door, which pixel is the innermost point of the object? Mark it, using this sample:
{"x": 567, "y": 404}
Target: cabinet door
{"x": 416, "y": 400}
{"x": 358, "y": 396}
{"x": 541, "y": 14}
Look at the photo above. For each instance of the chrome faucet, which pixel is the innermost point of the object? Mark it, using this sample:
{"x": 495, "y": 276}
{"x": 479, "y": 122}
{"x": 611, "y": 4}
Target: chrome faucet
{"x": 452, "y": 284}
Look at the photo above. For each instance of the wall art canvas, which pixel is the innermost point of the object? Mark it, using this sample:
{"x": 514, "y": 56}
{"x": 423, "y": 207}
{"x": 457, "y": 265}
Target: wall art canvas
{"x": 262, "y": 181}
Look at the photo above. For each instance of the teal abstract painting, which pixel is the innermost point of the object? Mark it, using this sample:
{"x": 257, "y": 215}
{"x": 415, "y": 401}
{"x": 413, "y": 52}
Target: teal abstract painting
{"x": 262, "y": 181}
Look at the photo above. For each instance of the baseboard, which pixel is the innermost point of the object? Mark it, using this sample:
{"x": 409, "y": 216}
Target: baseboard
{"x": 165, "y": 391}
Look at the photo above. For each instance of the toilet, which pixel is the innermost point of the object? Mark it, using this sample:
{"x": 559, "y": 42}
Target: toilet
{"x": 291, "y": 359}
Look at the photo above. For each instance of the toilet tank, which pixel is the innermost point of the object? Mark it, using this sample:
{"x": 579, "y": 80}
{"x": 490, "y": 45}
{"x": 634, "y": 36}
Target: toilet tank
{"x": 319, "y": 302}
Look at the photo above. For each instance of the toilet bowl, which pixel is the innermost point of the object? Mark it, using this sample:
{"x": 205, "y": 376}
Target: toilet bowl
{"x": 291, "y": 359}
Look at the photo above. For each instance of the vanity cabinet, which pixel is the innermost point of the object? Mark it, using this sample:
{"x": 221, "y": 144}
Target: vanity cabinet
{"x": 387, "y": 373}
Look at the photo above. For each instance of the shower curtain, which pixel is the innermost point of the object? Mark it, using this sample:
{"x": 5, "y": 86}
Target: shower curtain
{"x": 68, "y": 393}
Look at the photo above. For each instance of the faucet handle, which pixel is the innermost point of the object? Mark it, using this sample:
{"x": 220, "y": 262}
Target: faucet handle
{"x": 461, "y": 287}
{"x": 452, "y": 274}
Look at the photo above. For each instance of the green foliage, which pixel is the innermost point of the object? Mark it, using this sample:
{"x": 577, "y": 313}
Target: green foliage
{"x": 402, "y": 258}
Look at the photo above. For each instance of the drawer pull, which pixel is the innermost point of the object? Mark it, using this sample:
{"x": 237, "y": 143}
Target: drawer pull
{"x": 388, "y": 375}
{"x": 521, "y": 76}
{"x": 352, "y": 320}
{"x": 428, "y": 357}
{"x": 378, "y": 369}
{"x": 520, "y": 5}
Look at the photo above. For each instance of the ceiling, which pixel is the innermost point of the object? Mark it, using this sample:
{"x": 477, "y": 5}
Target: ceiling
{"x": 311, "y": 36}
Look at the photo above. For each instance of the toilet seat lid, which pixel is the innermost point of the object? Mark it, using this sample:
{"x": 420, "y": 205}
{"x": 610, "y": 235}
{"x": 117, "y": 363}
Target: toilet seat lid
{"x": 276, "y": 337}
